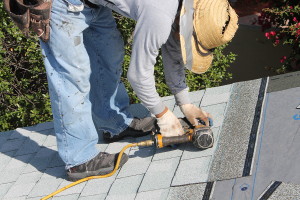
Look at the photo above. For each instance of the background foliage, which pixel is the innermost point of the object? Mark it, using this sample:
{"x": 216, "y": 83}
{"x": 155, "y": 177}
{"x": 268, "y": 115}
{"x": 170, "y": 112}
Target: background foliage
{"x": 23, "y": 88}
{"x": 24, "y": 98}
{"x": 280, "y": 23}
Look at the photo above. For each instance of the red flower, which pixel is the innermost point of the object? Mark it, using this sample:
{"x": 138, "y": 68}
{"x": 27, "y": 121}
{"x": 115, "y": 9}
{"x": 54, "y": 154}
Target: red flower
{"x": 298, "y": 33}
{"x": 295, "y": 19}
{"x": 273, "y": 33}
{"x": 283, "y": 59}
{"x": 267, "y": 34}
{"x": 277, "y": 42}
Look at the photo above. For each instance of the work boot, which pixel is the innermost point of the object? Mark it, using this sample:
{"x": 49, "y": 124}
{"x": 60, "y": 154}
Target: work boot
{"x": 102, "y": 164}
{"x": 137, "y": 128}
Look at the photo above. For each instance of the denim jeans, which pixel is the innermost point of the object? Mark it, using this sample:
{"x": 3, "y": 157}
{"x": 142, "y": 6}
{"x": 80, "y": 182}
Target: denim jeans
{"x": 83, "y": 60}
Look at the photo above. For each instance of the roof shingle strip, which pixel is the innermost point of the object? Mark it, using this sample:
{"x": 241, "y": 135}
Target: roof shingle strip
{"x": 237, "y": 134}
{"x": 284, "y": 81}
{"x": 202, "y": 191}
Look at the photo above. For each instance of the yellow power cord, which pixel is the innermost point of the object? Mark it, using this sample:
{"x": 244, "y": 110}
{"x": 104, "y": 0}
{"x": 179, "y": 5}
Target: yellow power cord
{"x": 144, "y": 143}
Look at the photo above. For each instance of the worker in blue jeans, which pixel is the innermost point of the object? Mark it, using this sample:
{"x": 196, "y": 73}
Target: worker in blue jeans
{"x": 83, "y": 60}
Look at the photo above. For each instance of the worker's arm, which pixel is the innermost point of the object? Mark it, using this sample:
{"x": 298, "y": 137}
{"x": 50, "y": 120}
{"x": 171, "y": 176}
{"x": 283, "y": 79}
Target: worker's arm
{"x": 176, "y": 80}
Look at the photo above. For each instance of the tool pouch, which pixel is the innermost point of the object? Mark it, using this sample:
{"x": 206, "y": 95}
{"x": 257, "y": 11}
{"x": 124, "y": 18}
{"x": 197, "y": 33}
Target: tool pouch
{"x": 31, "y": 16}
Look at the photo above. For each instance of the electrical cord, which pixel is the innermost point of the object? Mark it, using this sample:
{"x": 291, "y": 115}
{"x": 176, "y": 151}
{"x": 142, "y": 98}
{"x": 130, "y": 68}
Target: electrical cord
{"x": 95, "y": 177}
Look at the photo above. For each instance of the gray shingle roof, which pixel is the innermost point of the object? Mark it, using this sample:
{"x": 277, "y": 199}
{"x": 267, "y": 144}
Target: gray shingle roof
{"x": 257, "y": 143}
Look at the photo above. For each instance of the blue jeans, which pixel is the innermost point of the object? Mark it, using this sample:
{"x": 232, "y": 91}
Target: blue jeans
{"x": 83, "y": 60}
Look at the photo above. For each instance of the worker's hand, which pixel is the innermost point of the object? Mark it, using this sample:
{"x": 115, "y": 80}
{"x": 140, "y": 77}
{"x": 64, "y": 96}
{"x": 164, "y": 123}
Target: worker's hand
{"x": 192, "y": 112}
{"x": 169, "y": 124}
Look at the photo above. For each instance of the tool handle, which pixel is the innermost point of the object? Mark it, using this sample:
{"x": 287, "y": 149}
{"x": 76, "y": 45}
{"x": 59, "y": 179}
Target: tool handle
{"x": 166, "y": 141}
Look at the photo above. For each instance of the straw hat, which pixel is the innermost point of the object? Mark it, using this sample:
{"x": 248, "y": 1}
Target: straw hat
{"x": 214, "y": 23}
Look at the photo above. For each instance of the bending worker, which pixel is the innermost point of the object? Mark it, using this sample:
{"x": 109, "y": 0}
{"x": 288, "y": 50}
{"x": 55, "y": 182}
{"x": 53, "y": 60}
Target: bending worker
{"x": 158, "y": 26}
{"x": 83, "y": 56}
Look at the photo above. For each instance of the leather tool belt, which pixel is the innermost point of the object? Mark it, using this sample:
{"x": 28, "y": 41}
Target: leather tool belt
{"x": 31, "y": 16}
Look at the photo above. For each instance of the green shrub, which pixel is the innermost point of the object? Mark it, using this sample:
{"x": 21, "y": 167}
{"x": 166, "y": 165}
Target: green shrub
{"x": 24, "y": 98}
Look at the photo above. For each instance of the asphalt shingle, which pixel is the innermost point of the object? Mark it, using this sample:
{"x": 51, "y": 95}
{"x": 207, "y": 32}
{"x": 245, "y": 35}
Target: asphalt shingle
{"x": 125, "y": 188}
{"x": 178, "y": 112}
{"x": 25, "y": 131}
{"x": 29, "y": 146}
{"x": 19, "y": 190}
{"x": 190, "y": 192}
{"x": 77, "y": 189}
{"x": 34, "y": 198}
{"x": 93, "y": 197}
{"x": 217, "y": 111}
{"x": 116, "y": 147}
{"x": 16, "y": 198}
{"x": 5, "y": 158}
{"x": 38, "y": 127}
{"x": 38, "y": 137}
{"x": 196, "y": 96}
{"x": 170, "y": 103}
{"x": 19, "y": 161}
{"x": 24, "y": 179}
{"x": 284, "y": 81}
{"x": 138, "y": 163}
{"x": 159, "y": 174}
{"x": 41, "y": 160}
{"x": 124, "y": 197}
{"x": 216, "y": 95}
{"x": 192, "y": 171}
{"x": 98, "y": 186}
{"x": 14, "y": 135}
{"x": 138, "y": 110}
{"x": 56, "y": 161}
{"x": 11, "y": 145}
{"x": 169, "y": 152}
{"x": 67, "y": 197}
{"x": 4, "y": 189}
{"x": 10, "y": 175}
{"x": 6, "y": 134}
{"x": 50, "y": 141}
{"x": 153, "y": 195}
{"x": 24, "y": 185}
{"x": 49, "y": 182}
{"x": 2, "y": 140}
{"x": 39, "y": 163}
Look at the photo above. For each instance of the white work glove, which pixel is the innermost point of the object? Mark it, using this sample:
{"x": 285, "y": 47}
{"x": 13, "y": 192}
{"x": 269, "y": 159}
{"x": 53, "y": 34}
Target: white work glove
{"x": 169, "y": 125}
{"x": 192, "y": 112}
